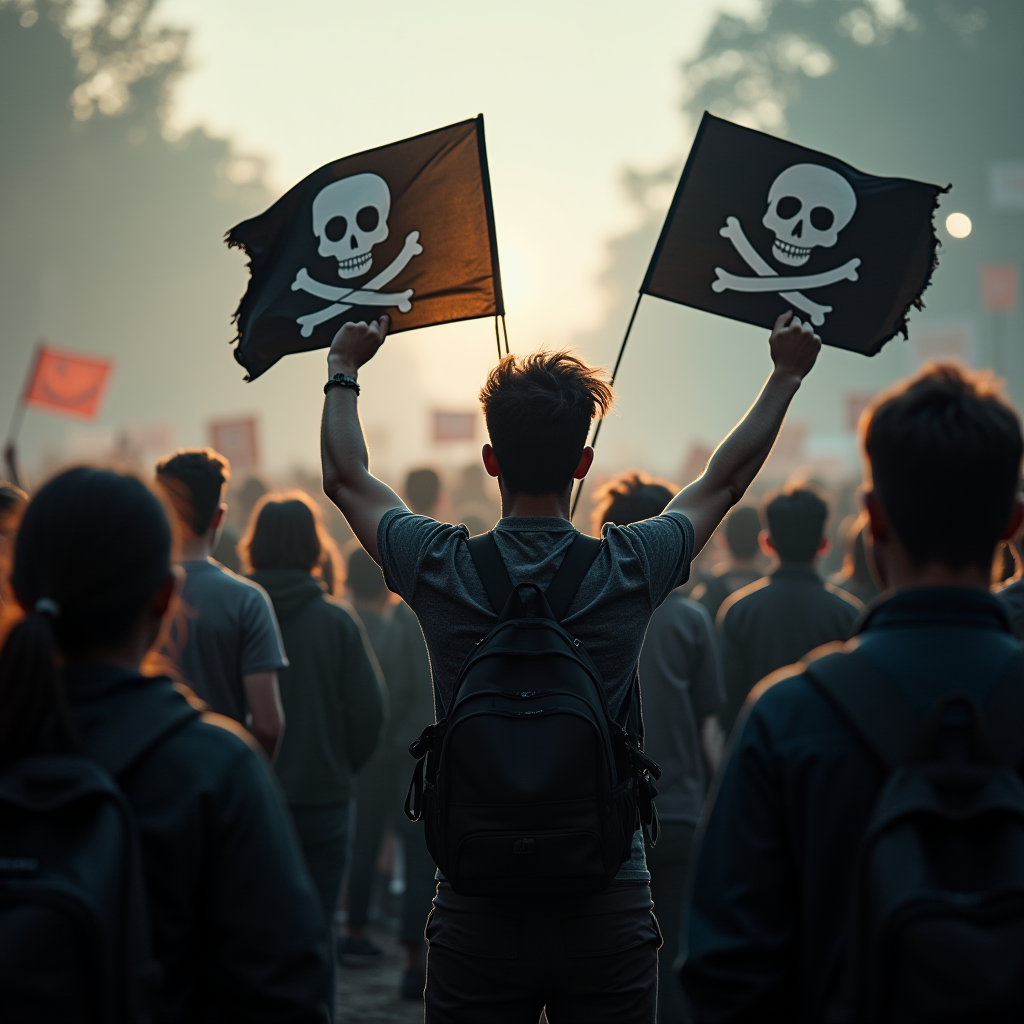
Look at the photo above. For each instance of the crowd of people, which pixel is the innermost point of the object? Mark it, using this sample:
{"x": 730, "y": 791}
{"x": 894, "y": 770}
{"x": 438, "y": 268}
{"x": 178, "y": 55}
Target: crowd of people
{"x": 218, "y": 754}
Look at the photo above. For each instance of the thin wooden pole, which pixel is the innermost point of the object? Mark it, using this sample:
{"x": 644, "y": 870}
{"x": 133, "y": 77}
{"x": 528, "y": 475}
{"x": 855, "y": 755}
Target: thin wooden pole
{"x": 615, "y": 373}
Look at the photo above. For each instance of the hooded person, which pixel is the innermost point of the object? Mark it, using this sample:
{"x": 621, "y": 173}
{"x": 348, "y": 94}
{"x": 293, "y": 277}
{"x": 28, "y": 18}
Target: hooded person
{"x": 332, "y": 693}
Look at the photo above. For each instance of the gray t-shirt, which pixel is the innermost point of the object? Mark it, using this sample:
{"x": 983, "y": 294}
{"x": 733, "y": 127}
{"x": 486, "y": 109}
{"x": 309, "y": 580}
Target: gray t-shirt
{"x": 681, "y": 680}
{"x": 428, "y": 564}
{"x": 230, "y": 631}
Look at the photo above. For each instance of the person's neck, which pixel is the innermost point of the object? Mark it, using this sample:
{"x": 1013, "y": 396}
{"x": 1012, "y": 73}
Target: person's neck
{"x": 193, "y": 548}
{"x": 541, "y": 506}
{"x": 906, "y": 577}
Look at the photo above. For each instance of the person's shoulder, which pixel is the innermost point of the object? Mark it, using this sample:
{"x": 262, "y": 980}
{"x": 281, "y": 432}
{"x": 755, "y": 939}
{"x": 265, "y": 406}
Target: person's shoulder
{"x": 399, "y": 525}
{"x": 744, "y": 599}
{"x": 337, "y": 609}
{"x": 668, "y": 524}
{"x": 680, "y": 606}
{"x": 221, "y": 579}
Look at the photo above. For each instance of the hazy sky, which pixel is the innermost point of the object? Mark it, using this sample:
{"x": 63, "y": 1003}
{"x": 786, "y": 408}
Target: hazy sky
{"x": 571, "y": 92}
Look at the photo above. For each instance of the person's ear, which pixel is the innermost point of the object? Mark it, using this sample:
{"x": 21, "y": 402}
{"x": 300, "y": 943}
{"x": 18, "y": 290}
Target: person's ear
{"x": 1016, "y": 519}
{"x": 586, "y": 461}
{"x": 765, "y": 542}
{"x": 218, "y": 517}
{"x": 879, "y": 523}
{"x": 167, "y": 592}
{"x": 490, "y": 461}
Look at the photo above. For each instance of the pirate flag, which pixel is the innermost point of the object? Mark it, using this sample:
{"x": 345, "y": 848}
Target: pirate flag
{"x": 406, "y": 229}
{"x": 758, "y": 226}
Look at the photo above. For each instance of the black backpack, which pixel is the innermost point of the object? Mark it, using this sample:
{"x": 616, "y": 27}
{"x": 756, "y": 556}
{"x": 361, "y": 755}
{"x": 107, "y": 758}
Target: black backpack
{"x": 530, "y": 787}
{"x": 74, "y": 928}
{"x": 936, "y": 926}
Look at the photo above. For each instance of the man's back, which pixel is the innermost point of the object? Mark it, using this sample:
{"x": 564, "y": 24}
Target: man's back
{"x": 783, "y": 835}
{"x": 775, "y": 622}
{"x": 230, "y": 631}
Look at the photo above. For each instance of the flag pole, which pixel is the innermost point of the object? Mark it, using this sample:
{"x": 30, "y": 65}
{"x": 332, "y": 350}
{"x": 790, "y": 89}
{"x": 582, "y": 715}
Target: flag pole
{"x": 10, "y": 446}
{"x": 497, "y": 337}
{"x": 504, "y": 330}
{"x": 615, "y": 373}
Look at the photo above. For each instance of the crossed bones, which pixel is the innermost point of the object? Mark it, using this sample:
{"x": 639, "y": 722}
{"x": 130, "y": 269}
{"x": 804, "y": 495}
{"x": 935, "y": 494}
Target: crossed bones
{"x": 368, "y": 294}
{"x": 769, "y": 281}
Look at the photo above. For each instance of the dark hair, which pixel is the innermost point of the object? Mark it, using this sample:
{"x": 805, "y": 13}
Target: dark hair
{"x": 629, "y": 498}
{"x": 795, "y": 521}
{"x": 538, "y": 410}
{"x": 944, "y": 454}
{"x": 742, "y": 527}
{"x": 422, "y": 488}
{"x": 286, "y": 531}
{"x": 194, "y": 479}
{"x": 12, "y": 500}
{"x": 364, "y": 576}
{"x": 92, "y": 547}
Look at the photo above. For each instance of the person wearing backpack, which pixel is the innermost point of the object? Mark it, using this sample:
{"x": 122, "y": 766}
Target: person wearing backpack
{"x": 148, "y": 868}
{"x": 863, "y": 859}
{"x": 532, "y": 784}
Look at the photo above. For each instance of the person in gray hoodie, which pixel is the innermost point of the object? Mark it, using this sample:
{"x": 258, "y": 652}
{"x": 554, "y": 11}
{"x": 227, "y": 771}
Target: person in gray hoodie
{"x": 333, "y": 695}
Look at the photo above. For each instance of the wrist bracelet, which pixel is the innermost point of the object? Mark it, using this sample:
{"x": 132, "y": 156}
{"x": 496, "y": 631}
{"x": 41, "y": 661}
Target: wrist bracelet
{"x": 342, "y": 380}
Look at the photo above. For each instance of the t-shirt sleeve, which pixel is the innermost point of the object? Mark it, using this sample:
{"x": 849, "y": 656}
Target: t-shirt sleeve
{"x": 403, "y": 540}
{"x": 665, "y": 544}
{"x": 262, "y": 647}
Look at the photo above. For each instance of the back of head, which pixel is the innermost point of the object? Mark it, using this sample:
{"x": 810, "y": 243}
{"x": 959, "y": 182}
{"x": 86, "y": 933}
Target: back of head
{"x": 538, "y": 410}
{"x": 944, "y": 458}
{"x": 92, "y": 547}
{"x": 365, "y": 579}
{"x": 285, "y": 532}
{"x": 422, "y": 489}
{"x": 742, "y": 527}
{"x": 194, "y": 480}
{"x": 795, "y": 519}
{"x": 629, "y": 498}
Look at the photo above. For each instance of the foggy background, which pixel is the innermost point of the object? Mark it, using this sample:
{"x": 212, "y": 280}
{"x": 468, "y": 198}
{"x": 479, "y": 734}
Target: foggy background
{"x": 133, "y": 134}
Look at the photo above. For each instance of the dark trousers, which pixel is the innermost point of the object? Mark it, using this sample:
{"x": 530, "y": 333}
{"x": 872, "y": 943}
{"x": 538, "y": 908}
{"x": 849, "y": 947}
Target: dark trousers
{"x": 380, "y": 795}
{"x": 324, "y": 835}
{"x": 668, "y": 863}
{"x": 587, "y": 960}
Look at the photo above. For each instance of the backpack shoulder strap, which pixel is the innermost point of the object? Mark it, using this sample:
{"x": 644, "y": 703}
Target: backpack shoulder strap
{"x": 491, "y": 569}
{"x": 1004, "y": 714}
{"x": 575, "y": 565}
{"x": 136, "y": 723}
{"x": 869, "y": 703}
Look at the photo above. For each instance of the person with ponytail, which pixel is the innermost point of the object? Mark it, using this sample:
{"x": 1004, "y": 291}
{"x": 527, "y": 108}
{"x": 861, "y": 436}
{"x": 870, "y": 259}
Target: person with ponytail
{"x": 235, "y": 921}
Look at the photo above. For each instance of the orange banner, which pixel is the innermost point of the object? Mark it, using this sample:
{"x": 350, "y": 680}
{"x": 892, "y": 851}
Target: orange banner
{"x": 68, "y": 383}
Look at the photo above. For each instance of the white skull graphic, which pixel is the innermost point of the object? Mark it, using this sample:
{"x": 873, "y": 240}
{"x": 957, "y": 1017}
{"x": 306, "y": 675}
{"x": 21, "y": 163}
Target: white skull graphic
{"x": 808, "y": 205}
{"x": 350, "y": 217}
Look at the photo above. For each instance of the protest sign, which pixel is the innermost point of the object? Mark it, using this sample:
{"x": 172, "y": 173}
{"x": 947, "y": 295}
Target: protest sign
{"x": 406, "y": 229}
{"x": 67, "y": 382}
{"x": 759, "y": 225}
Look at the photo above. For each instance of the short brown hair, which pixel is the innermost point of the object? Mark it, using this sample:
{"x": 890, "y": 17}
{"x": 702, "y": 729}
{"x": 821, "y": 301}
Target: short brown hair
{"x": 538, "y": 410}
{"x": 194, "y": 480}
{"x": 944, "y": 455}
{"x": 629, "y": 498}
{"x": 795, "y": 520}
{"x": 286, "y": 531}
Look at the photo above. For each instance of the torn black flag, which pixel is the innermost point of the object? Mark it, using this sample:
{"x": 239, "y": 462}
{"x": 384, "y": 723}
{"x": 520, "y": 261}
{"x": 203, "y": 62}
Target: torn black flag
{"x": 406, "y": 229}
{"x": 759, "y": 225}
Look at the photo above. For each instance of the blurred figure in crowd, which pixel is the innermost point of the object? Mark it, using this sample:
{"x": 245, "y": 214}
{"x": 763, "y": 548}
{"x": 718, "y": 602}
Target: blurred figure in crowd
{"x": 778, "y": 619}
{"x": 395, "y": 635}
{"x": 225, "y": 644}
{"x": 423, "y": 491}
{"x": 788, "y": 914}
{"x": 855, "y": 577}
{"x": 331, "y": 689}
{"x": 235, "y": 924}
{"x": 12, "y": 503}
{"x": 683, "y": 692}
{"x": 743, "y": 564}
{"x": 225, "y": 550}
{"x": 1011, "y": 595}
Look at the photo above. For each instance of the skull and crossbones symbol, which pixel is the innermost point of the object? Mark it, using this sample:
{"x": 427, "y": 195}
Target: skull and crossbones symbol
{"x": 350, "y": 217}
{"x": 808, "y": 205}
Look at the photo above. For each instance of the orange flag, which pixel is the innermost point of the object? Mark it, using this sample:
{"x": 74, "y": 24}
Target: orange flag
{"x": 68, "y": 383}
